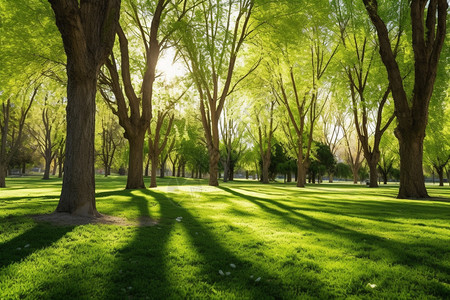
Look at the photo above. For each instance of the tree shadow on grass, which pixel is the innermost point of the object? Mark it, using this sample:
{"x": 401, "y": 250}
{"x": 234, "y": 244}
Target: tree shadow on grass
{"x": 38, "y": 237}
{"x": 214, "y": 256}
{"x": 146, "y": 268}
{"x": 405, "y": 254}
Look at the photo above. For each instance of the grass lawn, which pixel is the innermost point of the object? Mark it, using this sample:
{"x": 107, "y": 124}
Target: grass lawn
{"x": 268, "y": 241}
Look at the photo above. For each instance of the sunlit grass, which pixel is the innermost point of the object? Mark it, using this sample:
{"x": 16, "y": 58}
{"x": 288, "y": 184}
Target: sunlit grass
{"x": 323, "y": 241}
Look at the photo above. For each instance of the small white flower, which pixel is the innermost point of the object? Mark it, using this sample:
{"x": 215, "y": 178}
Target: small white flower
{"x": 228, "y": 273}
{"x": 221, "y": 272}
{"x": 19, "y": 248}
{"x": 258, "y": 279}
{"x": 179, "y": 219}
{"x": 233, "y": 266}
{"x": 26, "y": 246}
{"x": 372, "y": 285}
{"x": 251, "y": 276}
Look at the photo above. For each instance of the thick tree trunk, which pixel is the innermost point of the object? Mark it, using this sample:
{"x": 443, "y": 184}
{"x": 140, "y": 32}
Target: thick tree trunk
{"x": 78, "y": 187}
{"x": 153, "y": 171}
{"x": 135, "y": 179}
{"x": 440, "y": 172}
{"x": 373, "y": 171}
{"x": 214, "y": 157}
{"x": 225, "y": 171}
{"x": 265, "y": 171}
{"x": 301, "y": 172}
{"x": 412, "y": 181}
{"x": 87, "y": 29}
{"x": 330, "y": 178}
{"x": 355, "y": 175}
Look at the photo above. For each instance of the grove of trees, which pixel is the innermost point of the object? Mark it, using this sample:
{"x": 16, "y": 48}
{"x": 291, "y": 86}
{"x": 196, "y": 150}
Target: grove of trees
{"x": 295, "y": 90}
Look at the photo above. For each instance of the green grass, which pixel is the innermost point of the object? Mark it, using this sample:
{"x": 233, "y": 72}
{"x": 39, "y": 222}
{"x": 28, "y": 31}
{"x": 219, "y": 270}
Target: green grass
{"x": 323, "y": 241}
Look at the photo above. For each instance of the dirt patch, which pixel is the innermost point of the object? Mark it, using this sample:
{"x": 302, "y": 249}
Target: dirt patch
{"x": 66, "y": 219}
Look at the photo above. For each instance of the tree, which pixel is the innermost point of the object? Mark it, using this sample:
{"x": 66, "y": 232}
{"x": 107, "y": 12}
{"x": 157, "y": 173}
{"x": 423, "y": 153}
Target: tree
{"x": 354, "y": 156}
{"x": 87, "y": 29}
{"x": 133, "y": 109}
{"x": 304, "y": 101}
{"x": 48, "y": 131}
{"x": 428, "y": 30}
{"x": 110, "y": 139}
{"x": 210, "y": 44}
{"x": 12, "y": 123}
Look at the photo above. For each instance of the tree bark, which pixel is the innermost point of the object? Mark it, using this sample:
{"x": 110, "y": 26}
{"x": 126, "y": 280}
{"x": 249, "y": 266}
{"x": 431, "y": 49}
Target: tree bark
{"x": 214, "y": 157}
{"x": 135, "y": 179}
{"x": 412, "y": 181}
{"x": 2, "y": 175}
{"x": 78, "y": 188}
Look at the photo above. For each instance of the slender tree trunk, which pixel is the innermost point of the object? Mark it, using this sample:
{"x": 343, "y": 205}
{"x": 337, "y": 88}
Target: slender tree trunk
{"x": 60, "y": 168}
{"x": 2, "y": 175}
{"x": 231, "y": 173}
{"x": 54, "y": 167}
{"x": 265, "y": 170}
{"x": 412, "y": 181}
{"x": 78, "y": 187}
{"x": 135, "y": 179}
{"x": 48, "y": 162}
{"x": 183, "y": 170}
{"x": 147, "y": 166}
{"x": 225, "y": 170}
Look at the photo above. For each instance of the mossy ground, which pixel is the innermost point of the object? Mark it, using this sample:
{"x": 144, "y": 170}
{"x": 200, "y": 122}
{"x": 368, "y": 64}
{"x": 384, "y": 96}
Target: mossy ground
{"x": 323, "y": 241}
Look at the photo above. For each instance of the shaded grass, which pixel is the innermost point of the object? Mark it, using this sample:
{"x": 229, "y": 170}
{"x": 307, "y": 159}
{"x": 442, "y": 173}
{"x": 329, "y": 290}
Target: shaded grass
{"x": 327, "y": 241}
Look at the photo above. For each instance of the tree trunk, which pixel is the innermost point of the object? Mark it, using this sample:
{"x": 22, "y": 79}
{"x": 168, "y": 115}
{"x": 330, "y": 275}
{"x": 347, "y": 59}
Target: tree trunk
{"x": 48, "y": 162}
{"x": 2, "y": 175}
{"x": 225, "y": 171}
{"x": 147, "y": 165}
{"x": 153, "y": 171}
{"x": 54, "y": 167}
{"x": 88, "y": 29}
{"x": 373, "y": 171}
{"x": 440, "y": 172}
{"x": 214, "y": 157}
{"x": 78, "y": 187}
{"x": 60, "y": 168}
{"x": 355, "y": 175}
{"x": 135, "y": 179}
{"x": 301, "y": 172}
{"x": 183, "y": 170}
{"x": 265, "y": 171}
{"x": 412, "y": 181}
{"x": 330, "y": 178}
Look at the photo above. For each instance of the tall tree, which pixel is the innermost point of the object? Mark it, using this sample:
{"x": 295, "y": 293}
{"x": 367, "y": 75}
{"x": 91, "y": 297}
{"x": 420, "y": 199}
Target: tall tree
{"x": 48, "y": 131}
{"x": 88, "y": 29}
{"x": 12, "y": 123}
{"x": 428, "y": 31}
{"x": 210, "y": 45}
